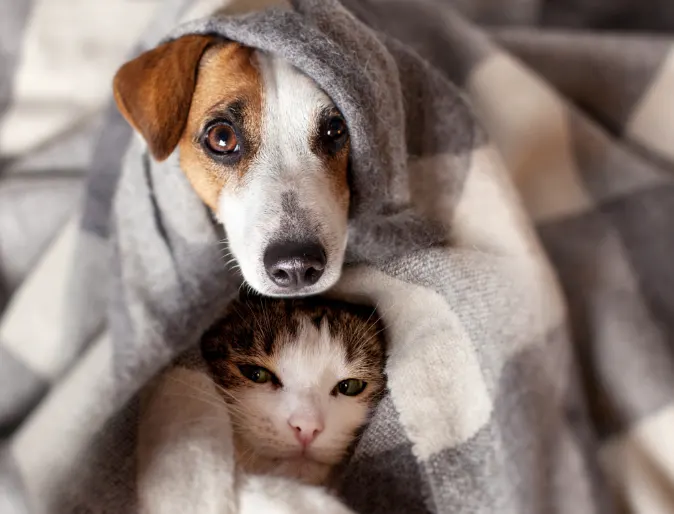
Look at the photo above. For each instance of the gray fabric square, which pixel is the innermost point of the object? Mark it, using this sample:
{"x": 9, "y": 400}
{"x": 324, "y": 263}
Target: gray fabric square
{"x": 644, "y": 224}
{"x": 621, "y": 327}
{"x": 12, "y": 493}
{"x": 21, "y": 390}
{"x": 105, "y": 477}
{"x": 611, "y": 169}
{"x": 535, "y": 455}
{"x": 11, "y": 38}
{"x": 611, "y": 73}
{"x": 383, "y": 475}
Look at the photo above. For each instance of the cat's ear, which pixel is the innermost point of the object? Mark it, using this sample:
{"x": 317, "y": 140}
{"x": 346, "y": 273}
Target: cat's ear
{"x": 154, "y": 91}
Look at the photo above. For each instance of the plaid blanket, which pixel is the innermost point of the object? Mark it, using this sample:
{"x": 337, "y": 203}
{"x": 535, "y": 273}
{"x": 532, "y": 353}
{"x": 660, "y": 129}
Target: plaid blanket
{"x": 513, "y": 177}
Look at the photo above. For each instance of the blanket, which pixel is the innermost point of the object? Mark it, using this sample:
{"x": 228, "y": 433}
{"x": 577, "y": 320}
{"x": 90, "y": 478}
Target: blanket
{"x": 513, "y": 198}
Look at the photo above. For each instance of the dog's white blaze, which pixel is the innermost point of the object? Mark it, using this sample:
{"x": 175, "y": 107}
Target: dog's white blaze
{"x": 285, "y": 163}
{"x": 309, "y": 367}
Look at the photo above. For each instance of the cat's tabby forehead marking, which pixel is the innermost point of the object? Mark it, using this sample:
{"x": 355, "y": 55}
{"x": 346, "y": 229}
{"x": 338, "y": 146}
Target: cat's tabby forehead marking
{"x": 256, "y": 326}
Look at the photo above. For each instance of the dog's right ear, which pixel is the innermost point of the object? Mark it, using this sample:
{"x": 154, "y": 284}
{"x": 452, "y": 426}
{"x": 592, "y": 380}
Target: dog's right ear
{"x": 154, "y": 91}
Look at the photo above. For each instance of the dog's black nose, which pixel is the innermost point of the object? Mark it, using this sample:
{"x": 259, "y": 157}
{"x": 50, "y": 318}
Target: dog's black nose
{"x": 293, "y": 265}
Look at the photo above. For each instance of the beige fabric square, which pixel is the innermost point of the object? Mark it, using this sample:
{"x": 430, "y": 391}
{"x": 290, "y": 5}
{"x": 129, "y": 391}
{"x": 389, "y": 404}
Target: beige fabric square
{"x": 652, "y": 121}
{"x": 64, "y": 76}
{"x": 641, "y": 464}
{"x": 33, "y": 325}
{"x": 63, "y": 433}
{"x": 528, "y": 123}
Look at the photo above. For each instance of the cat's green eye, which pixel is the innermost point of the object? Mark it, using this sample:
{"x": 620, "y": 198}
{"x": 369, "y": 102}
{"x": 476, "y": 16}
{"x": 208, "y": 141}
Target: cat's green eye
{"x": 351, "y": 387}
{"x": 257, "y": 374}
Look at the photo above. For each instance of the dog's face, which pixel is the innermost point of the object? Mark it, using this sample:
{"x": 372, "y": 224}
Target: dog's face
{"x": 262, "y": 145}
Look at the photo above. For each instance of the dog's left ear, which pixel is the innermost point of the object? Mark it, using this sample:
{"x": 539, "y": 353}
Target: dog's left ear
{"x": 154, "y": 91}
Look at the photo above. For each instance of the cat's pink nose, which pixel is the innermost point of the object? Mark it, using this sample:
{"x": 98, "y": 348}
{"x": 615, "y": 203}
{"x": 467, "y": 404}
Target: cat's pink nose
{"x": 306, "y": 430}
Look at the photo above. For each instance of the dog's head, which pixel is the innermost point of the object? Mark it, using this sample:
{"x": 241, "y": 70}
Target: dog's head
{"x": 262, "y": 145}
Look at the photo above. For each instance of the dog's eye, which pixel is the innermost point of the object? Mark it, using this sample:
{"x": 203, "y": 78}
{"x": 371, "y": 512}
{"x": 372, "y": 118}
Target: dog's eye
{"x": 351, "y": 387}
{"x": 334, "y": 134}
{"x": 221, "y": 139}
{"x": 336, "y": 128}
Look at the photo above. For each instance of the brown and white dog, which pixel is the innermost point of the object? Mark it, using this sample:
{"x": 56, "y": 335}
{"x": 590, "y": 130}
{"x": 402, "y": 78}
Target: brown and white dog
{"x": 261, "y": 144}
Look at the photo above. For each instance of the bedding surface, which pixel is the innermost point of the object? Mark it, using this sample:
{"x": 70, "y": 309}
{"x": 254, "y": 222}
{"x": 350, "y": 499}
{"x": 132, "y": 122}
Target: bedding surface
{"x": 513, "y": 207}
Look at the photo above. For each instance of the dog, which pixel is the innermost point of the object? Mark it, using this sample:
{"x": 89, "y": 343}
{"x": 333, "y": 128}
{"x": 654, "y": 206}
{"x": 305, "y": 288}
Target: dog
{"x": 262, "y": 146}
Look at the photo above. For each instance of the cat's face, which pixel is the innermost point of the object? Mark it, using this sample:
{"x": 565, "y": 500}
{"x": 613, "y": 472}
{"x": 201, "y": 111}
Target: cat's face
{"x": 300, "y": 377}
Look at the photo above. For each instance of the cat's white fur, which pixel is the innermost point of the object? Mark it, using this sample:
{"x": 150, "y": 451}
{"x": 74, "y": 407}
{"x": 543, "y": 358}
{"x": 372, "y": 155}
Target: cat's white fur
{"x": 267, "y": 419}
{"x": 186, "y": 458}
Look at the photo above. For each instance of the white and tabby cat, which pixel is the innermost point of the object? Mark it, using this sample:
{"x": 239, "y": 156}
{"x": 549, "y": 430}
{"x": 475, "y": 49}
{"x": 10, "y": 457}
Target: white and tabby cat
{"x": 300, "y": 378}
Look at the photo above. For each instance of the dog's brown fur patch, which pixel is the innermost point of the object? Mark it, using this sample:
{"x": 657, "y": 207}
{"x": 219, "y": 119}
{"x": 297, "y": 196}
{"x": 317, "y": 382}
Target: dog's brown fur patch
{"x": 170, "y": 93}
{"x": 337, "y": 166}
{"x": 226, "y": 76}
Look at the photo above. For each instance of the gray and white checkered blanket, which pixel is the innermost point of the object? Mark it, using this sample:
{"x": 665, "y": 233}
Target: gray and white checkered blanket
{"x": 513, "y": 178}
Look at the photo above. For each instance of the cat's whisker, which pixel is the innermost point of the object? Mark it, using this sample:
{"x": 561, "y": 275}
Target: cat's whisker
{"x": 198, "y": 398}
{"x": 366, "y": 342}
{"x": 191, "y": 423}
{"x": 243, "y": 282}
{"x": 160, "y": 413}
{"x": 203, "y": 394}
{"x": 227, "y": 393}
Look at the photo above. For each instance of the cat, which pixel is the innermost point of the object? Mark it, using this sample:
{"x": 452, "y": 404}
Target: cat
{"x": 300, "y": 378}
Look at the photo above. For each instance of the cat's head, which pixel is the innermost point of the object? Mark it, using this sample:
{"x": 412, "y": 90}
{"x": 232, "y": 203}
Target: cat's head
{"x": 300, "y": 378}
